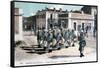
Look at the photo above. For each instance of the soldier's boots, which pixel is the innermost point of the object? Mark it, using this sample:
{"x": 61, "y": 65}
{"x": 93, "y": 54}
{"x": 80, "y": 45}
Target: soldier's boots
{"x": 81, "y": 55}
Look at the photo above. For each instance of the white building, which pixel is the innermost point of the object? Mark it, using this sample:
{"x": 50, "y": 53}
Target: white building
{"x": 80, "y": 20}
{"x": 18, "y": 19}
{"x": 48, "y": 18}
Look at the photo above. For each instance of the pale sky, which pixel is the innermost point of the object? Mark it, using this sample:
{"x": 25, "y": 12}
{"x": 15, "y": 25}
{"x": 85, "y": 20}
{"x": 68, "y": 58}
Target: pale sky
{"x": 31, "y": 8}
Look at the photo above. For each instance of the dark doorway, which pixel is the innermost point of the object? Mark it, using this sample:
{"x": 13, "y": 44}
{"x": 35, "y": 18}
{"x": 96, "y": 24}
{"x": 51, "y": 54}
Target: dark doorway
{"x": 74, "y": 25}
{"x": 51, "y": 26}
{"x": 82, "y": 26}
{"x": 51, "y": 16}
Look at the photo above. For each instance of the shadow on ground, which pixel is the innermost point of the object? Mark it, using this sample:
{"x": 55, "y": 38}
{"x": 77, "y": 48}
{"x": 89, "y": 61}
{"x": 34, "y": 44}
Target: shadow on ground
{"x": 63, "y": 56}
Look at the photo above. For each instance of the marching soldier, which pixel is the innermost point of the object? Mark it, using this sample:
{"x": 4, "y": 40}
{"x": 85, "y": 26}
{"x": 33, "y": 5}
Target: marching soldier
{"x": 58, "y": 38}
{"x": 54, "y": 38}
{"x": 69, "y": 37}
{"x": 66, "y": 35}
{"x": 39, "y": 37}
{"x": 45, "y": 34}
{"x": 72, "y": 37}
{"x": 82, "y": 43}
{"x": 62, "y": 32}
{"x": 49, "y": 38}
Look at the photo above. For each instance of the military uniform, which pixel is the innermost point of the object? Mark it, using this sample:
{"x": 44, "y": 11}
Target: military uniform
{"x": 82, "y": 44}
{"x": 69, "y": 38}
{"x": 72, "y": 37}
{"x": 39, "y": 37}
{"x": 49, "y": 39}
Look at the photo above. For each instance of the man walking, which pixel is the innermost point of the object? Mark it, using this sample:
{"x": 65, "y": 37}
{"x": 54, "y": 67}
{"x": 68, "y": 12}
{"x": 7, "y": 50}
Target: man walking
{"x": 82, "y": 43}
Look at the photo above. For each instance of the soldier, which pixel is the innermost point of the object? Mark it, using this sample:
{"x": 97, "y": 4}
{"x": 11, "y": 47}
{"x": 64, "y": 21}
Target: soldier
{"x": 66, "y": 35}
{"x": 49, "y": 38}
{"x": 82, "y": 43}
{"x": 69, "y": 37}
{"x": 54, "y": 33}
{"x": 73, "y": 37}
{"x": 45, "y": 34}
{"x": 61, "y": 41}
{"x": 54, "y": 38}
{"x": 58, "y": 38}
{"x": 62, "y": 31}
{"x": 39, "y": 37}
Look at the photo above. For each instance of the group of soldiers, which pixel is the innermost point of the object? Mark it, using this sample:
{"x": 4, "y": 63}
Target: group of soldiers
{"x": 60, "y": 37}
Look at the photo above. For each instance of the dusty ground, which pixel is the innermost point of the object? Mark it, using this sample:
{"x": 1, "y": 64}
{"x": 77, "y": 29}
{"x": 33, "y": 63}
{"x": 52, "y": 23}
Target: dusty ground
{"x": 65, "y": 55}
